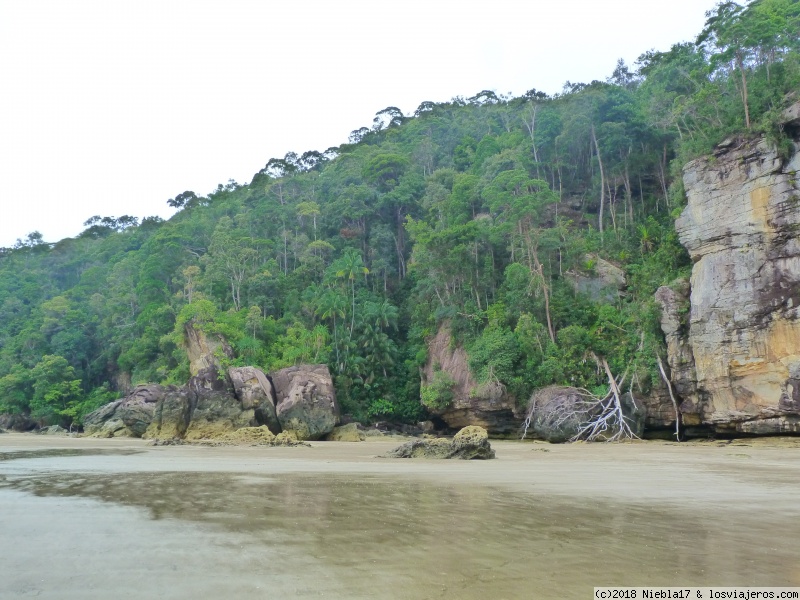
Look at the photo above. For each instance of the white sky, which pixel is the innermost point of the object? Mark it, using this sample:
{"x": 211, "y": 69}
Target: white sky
{"x": 112, "y": 108}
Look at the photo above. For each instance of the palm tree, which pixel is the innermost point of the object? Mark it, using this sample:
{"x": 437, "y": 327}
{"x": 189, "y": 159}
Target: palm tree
{"x": 352, "y": 266}
{"x": 330, "y": 305}
{"x": 383, "y": 315}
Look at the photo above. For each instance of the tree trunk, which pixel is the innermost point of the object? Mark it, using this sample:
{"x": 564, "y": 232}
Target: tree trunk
{"x": 740, "y": 64}
{"x": 602, "y": 181}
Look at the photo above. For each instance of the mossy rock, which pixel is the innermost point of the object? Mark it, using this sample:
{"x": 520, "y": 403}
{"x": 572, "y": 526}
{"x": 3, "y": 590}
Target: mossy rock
{"x": 470, "y": 443}
{"x": 288, "y": 438}
{"x": 346, "y": 433}
{"x": 251, "y": 435}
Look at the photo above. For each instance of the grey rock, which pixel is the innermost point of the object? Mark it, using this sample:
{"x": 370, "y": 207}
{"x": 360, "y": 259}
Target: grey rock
{"x": 53, "y": 430}
{"x": 254, "y": 392}
{"x": 16, "y": 422}
{"x": 215, "y": 410}
{"x": 773, "y": 426}
{"x": 553, "y": 418}
{"x": 559, "y": 413}
{"x": 127, "y": 417}
{"x": 172, "y": 415}
{"x": 306, "y": 401}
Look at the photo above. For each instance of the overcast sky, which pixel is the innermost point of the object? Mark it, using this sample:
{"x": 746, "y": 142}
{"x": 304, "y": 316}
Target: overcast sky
{"x": 111, "y": 108}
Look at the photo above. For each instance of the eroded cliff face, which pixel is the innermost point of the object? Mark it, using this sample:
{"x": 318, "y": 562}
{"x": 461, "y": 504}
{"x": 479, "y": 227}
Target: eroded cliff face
{"x": 736, "y": 360}
{"x": 487, "y": 406}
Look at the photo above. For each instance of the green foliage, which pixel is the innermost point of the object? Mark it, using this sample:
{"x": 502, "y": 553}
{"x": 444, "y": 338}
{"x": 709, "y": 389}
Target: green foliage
{"x": 471, "y": 212}
{"x": 381, "y": 409}
{"x": 438, "y": 394}
{"x": 56, "y": 391}
{"x": 495, "y": 355}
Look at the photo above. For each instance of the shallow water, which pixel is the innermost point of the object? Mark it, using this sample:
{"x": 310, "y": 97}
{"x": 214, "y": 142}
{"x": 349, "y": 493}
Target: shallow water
{"x": 83, "y": 534}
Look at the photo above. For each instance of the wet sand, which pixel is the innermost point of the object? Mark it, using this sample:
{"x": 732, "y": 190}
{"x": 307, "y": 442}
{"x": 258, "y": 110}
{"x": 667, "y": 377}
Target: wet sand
{"x": 86, "y": 518}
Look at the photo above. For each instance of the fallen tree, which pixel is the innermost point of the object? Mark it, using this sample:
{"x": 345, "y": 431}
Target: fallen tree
{"x": 560, "y": 414}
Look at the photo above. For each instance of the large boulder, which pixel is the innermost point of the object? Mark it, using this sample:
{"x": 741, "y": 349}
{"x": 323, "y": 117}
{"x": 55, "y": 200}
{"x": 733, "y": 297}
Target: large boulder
{"x": 469, "y": 403}
{"x": 254, "y": 392}
{"x": 128, "y": 417}
{"x": 306, "y": 401}
{"x": 16, "y": 422}
{"x": 215, "y": 410}
{"x": 172, "y": 415}
{"x": 554, "y": 417}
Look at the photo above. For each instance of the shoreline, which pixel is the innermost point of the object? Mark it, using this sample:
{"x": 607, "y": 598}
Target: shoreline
{"x": 98, "y": 518}
{"x": 705, "y": 471}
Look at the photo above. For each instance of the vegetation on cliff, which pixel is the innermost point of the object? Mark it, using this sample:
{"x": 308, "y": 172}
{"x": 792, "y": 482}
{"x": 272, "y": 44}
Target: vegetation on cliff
{"x": 481, "y": 211}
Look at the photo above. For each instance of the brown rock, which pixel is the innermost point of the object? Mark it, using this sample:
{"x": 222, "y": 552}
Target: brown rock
{"x": 204, "y": 350}
{"x": 306, "y": 401}
{"x": 739, "y": 227}
{"x": 487, "y": 406}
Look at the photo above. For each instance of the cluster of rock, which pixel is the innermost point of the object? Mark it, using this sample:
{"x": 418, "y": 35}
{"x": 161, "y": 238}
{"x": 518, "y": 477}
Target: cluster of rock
{"x": 733, "y": 331}
{"x": 298, "y": 399}
{"x": 470, "y": 443}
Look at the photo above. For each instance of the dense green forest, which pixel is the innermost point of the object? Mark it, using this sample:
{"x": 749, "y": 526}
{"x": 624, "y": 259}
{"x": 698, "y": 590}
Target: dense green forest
{"x": 477, "y": 212}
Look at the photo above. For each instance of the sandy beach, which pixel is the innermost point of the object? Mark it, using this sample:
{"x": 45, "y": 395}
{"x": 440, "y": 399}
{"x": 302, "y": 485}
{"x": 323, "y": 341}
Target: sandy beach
{"x": 90, "y": 518}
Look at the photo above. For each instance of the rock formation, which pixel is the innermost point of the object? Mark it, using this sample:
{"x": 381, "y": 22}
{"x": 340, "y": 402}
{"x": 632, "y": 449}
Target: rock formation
{"x": 558, "y": 414}
{"x": 472, "y": 404}
{"x": 214, "y": 404}
{"x": 604, "y": 284}
{"x": 254, "y": 392}
{"x": 306, "y": 401}
{"x": 468, "y": 444}
{"x": 346, "y": 433}
{"x": 130, "y": 416}
{"x": 172, "y": 415}
{"x": 735, "y": 355}
{"x": 204, "y": 350}
{"x": 214, "y": 407}
{"x": 16, "y": 422}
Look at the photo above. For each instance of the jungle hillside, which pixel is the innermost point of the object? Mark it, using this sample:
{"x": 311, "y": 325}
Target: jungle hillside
{"x": 482, "y": 214}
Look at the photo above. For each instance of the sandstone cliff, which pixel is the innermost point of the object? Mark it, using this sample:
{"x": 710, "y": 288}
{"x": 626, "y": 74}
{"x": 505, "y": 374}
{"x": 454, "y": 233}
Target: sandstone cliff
{"x": 734, "y": 350}
{"x": 471, "y": 404}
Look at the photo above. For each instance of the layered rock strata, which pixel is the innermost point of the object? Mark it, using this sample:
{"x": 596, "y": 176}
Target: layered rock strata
{"x": 735, "y": 354}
